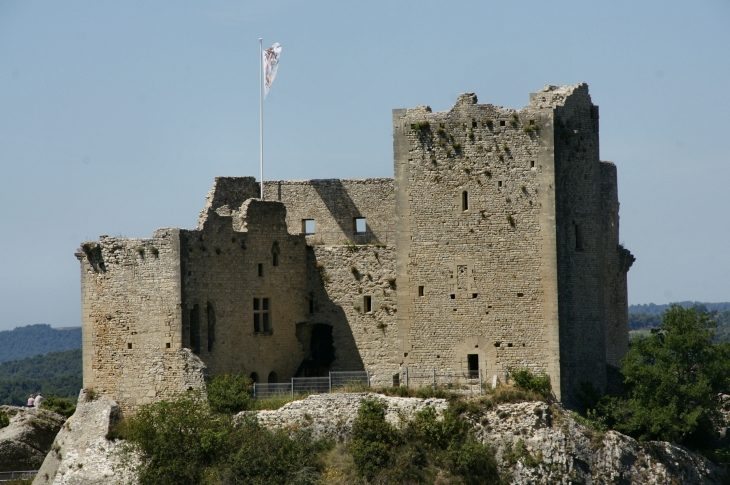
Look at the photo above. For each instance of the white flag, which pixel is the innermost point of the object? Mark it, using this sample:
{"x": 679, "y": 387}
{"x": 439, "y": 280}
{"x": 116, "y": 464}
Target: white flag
{"x": 271, "y": 64}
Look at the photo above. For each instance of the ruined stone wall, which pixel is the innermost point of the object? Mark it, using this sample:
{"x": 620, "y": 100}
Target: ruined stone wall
{"x": 226, "y": 264}
{"x": 615, "y": 297}
{"x": 479, "y": 266}
{"x": 340, "y": 278}
{"x": 580, "y": 239}
{"x": 334, "y": 204}
{"x": 131, "y": 320}
{"x": 230, "y": 192}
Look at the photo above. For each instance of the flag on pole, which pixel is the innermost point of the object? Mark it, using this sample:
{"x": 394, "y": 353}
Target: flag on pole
{"x": 271, "y": 64}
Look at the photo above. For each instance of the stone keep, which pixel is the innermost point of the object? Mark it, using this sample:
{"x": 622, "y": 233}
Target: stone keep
{"x": 495, "y": 246}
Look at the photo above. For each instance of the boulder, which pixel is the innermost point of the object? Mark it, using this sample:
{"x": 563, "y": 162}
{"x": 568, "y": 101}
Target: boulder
{"x": 25, "y": 442}
{"x": 81, "y": 454}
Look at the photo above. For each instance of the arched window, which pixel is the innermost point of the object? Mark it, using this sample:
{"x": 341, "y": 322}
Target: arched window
{"x": 273, "y": 379}
{"x": 254, "y": 377}
{"x": 211, "y": 326}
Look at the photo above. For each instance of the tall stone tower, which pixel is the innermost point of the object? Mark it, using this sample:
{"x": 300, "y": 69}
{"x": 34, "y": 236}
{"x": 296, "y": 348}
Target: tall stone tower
{"x": 507, "y": 240}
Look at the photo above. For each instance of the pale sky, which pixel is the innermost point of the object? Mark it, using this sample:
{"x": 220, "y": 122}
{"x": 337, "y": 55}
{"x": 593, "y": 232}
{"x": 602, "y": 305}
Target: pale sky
{"x": 116, "y": 116}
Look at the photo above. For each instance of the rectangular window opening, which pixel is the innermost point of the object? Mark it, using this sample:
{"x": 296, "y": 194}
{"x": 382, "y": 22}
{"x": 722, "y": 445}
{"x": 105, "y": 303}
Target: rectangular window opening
{"x": 308, "y": 226}
{"x": 129, "y": 345}
{"x": 311, "y": 305}
{"x": 453, "y": 296}
{"x": 261, "y": 315}
{"x": 275, "y": 259}
{"x": 167, "y": 345}
{"x": 578, "y": 238}
{"x": 473, "y": 124}
{"x": 261, "y": 270}
{"x": 396, "y": 380}
{"x": 359, "y": 225}
{"x": 502, "y": 123}
{"x": 473, "y": 364}
{"x": 420, "y": 291}
{"x": 367, "y": 303}
{"x": 532, "y": 163}
{"x": 465, "y": 201}
{"x": 474, "y": 295}
{"x": 499, "y": 184}
{"x": 532, "y": 122}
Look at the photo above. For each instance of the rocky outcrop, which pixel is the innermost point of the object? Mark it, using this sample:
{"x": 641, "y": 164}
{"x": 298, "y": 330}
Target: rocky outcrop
{"x": 534, "y": 442}
{"x": 543, "y": 444}
{"x": 333, "y": 415}
{"x": 25, "y": 442}
{"x": 81, "y": 454}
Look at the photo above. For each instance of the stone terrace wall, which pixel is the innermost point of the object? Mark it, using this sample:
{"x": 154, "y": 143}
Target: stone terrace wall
{"x": 479, "y": 266}
{"x": 334, "y": 204}
{"x": 221, "y": 279}
{"x": 340, "y": 278}
{"x": 131, "y": 318}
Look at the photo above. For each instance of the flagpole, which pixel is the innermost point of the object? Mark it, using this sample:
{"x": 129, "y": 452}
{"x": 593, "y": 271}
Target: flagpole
{"x": 261, "y": 111}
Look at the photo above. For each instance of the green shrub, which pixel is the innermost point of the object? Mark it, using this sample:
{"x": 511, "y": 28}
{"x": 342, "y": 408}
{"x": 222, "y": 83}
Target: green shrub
{"x": 61, "y": 405}
{"x": 373, "y": 439}
{"x": 538, "y": 383}
{"x": 4, "y": 420}
{"x": 230, "y": 393}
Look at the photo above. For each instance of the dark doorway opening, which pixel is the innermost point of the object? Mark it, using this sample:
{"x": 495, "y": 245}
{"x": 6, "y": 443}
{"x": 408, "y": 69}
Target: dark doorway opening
{"x": 321, "y": 352}
{"x": 473, "y": 363}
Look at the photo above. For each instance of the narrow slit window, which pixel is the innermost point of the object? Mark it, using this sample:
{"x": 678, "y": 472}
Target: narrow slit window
{"x": 308, "y": 226}
{"x": 275, "y": 259}
{"x": 261, "y": 270}
{"x": 261, "y": 315}
{"x": 578, "y": 238}
{"x": 532, "y": 163}
{"x": 367, "y": 303}
{"x": 465, "y": 201}
{"x": 311, "y": 305}
{"x": 359, "y": 225}
{"x": 421, "y": 291}
{"x": 499, "y": 184}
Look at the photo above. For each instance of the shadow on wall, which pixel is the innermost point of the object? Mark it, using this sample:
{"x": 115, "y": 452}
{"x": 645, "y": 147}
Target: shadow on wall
{"x": 338, "y": 202}
{"x": 326, "y": 337}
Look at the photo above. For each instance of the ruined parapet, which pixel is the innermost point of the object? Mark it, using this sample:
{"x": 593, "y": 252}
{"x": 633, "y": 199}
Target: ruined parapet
{"x": 333, "y": 211}
{"x": 230, "y": 192}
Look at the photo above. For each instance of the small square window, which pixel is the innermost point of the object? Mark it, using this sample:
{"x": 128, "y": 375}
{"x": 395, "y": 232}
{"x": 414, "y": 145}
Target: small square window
{"x": 421, "y": 291}
{"x": 532, "y": 122}
{"x": 167, "y": 345}
{"x": 473, "y": 124}
{"x": 453, "y": 296}
{"x": 129, "y": 345}
{"x": 359, "y": 225}
{"x": 502, "y": 123}
{"x": 367, "y": 303}
{"x": 261, "y": 270}
{"x": 308, "y": 226}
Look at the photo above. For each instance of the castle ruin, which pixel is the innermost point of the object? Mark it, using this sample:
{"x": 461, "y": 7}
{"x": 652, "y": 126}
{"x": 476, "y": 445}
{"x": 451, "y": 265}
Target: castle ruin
{"x": 495, "y": 246}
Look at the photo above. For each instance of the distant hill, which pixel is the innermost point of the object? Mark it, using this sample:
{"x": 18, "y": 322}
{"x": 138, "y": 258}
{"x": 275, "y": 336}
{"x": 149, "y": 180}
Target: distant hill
{"x": 648, "y": 316}
{"x": 57, "y": 373}
{"x": 653, "y": 309}
{"x": 37, "y": 339}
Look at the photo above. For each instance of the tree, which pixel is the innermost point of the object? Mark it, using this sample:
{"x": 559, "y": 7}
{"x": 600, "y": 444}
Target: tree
{"x": 673, "y": 379}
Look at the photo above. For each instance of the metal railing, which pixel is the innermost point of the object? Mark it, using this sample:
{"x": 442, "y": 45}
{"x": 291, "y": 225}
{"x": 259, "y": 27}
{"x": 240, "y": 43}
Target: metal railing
{"x": 312, "y": 385}
{"x": 17, "y": 475}
{"x": 472, "y": 382}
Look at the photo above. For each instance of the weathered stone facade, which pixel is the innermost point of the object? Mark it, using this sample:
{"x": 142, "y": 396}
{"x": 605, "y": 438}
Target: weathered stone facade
{"x": 495, "y": 246}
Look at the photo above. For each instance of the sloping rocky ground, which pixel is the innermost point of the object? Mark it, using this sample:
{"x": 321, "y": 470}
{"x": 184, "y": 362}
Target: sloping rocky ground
{"x": 81, "y": 454}
{"x": 25, "y": 442}
{"x": 534, "y": 442}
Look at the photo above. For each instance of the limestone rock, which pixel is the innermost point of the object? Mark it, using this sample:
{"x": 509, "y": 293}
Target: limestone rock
{"x": 81, "y": 454}
{"x": 28, "y": 438}
{"x": 333, "y": 415}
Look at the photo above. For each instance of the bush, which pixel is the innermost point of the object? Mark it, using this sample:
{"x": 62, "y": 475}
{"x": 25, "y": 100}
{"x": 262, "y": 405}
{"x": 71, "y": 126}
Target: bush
{"x": 527, "y": 381}
{"x": 183, "y": 442}
{"x": 425, "y": 448}
{"x": 230, "y": 393}
{"x": 61, "y": 405}
{"x": 4, "y": 420}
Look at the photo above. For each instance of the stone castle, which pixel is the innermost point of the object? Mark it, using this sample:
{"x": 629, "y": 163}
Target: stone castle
{"x": 495, "y": 246}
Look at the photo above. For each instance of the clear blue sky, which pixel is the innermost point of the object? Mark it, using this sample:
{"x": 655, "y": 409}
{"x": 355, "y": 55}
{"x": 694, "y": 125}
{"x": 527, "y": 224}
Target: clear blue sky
{"x": 116, "y": 116}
